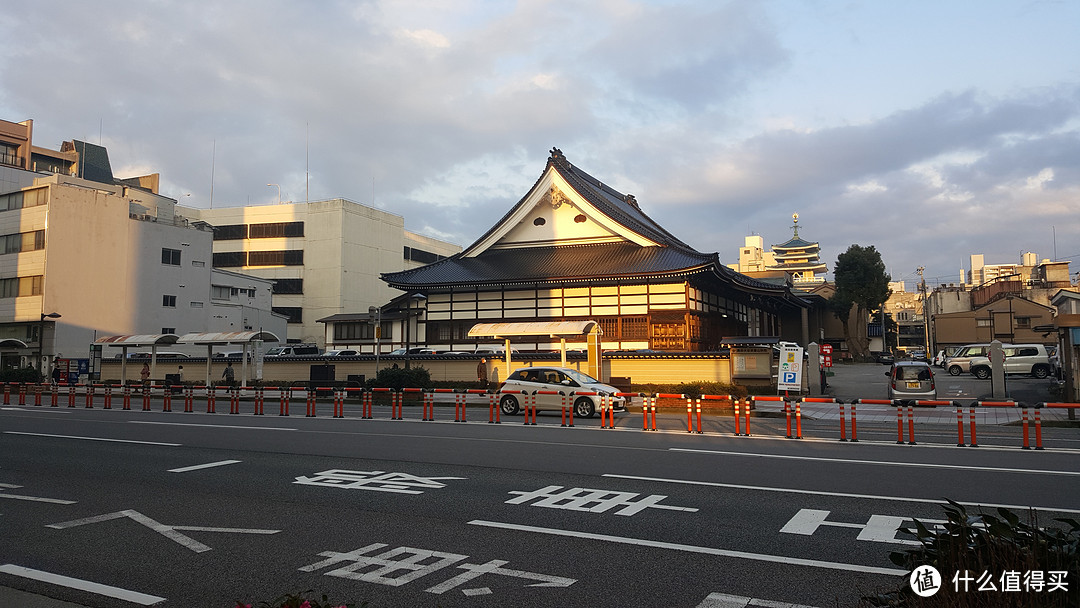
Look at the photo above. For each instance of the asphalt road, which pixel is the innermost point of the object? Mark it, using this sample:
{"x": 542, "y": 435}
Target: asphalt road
{"x": 195, "y": 509}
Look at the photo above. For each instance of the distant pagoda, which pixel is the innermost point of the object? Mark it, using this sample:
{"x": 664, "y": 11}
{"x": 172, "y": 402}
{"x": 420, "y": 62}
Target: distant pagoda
{"x": 800, "y": 258}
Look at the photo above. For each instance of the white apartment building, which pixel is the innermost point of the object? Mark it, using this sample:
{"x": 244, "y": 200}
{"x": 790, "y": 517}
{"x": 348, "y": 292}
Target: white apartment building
{"x": 325, "y": 257}
{"x": 86, "y": 255}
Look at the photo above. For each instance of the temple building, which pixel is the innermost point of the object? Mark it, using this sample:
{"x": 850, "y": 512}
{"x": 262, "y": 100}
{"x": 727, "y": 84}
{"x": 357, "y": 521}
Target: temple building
{"x": 573, "y": 248}
{"x": 799, "y": 258}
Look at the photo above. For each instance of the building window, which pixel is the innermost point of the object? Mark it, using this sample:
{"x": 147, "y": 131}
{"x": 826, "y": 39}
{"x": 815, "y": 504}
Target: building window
{"x": 24, "y": 241}
{"x": 196, "y": 304}
{"x": 295, "y": 314}
{"x": 413, "y": 254}
{"x": 26, "y": 198}
{"x": 170, "y": 256}
{"x": 982, "y": 322}
{"x": 198, "y": 263}
{"x": 288, "y": 257}
{"x": 1023, "y": 322}
{"x": 168, "y": 330}
{"x": 218, "y": 292}
{"x": 168, "y": 301}
{"x": 9, "y": 154}
{"x": 291, "y": 286}
{"x": 276, "y": 230}
{"x": 21, "y": 286}
{"x": 230, "y": 259}
{"x": 230, "y": 232}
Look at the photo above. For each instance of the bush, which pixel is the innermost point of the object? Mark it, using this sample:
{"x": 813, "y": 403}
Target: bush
{"x": 401, "y": 377}
{"x": 20, "y": 374}
{"x": 984, "y": 543}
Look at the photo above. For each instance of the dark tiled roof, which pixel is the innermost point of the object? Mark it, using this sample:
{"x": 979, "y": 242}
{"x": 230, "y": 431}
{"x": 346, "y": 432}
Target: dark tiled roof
{"x": 543, "y": 264}
{"x": 796, "y": 243}
{"x": 611, "y": 261}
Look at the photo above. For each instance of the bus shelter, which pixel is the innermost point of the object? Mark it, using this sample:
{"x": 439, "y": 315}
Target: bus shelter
{"x": 562, "y": 330}
{"x": 138, "y": 341}
{"x": 244, "y": 339}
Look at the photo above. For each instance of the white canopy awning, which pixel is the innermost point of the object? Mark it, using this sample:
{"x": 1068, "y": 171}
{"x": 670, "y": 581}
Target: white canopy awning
{"x": 555, "y": 329}
{"x": 138, "y": 340}
{"x": 228, "y": 337}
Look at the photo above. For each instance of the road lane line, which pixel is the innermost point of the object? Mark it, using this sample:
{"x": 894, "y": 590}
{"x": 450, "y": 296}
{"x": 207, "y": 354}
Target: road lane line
{"x": 75, "y": 583}
{"x": 761, "y": 557}
{"x": 735, "y": 486}
{"x": 723, "y": 600}
{"x": 55, "y": 501}
{"x": 214, "y": 426}
{"x": 93, "y": 438}
{"x": 916, "y": 465}
{"x": 208, "y": 465}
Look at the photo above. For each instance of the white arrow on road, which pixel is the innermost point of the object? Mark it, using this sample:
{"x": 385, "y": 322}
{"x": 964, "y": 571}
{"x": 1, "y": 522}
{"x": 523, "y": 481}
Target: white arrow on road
{"x": 165, "y": 530}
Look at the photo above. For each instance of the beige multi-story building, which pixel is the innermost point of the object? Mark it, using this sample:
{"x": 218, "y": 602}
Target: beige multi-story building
{"x": 325, "y": 257}
{"x": 88, "y": 255}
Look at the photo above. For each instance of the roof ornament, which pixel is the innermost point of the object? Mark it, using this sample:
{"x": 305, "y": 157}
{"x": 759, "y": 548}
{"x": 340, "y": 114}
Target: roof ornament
{"x": 795, "y": 226}
{"x": 557, "y": 155}
{"x": 632, "y": 201}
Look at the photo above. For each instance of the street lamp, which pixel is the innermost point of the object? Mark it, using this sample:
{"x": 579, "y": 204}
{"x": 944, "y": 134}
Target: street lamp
{"x": 41, "y": 340}
{"x": 278, "y": 192}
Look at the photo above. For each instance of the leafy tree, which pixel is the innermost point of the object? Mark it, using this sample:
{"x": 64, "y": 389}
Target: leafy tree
{"x": 862, "y": 283}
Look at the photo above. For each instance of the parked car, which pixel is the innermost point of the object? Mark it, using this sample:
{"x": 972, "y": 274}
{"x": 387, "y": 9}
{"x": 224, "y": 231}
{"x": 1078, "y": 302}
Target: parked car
{"x": 883, "y": 357}
{"x": 294, "y": 350}
{"x": 911, "y": 380}
{"x": 532, "y": 379}
{"x": 960, "y": 362}
{"x": 1019, "y": 359}
{"x": 347, "y": 352}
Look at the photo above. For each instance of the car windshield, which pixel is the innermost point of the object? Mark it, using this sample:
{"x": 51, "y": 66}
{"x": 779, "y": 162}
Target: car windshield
{"x": 275, "y": 351}
{"x": 912, "y": 372}
{"x": 581, "y": 378}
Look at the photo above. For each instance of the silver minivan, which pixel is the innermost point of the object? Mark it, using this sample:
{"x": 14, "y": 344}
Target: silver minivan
{"x": 911, "y": 380}
{"x": 960, "y": 362}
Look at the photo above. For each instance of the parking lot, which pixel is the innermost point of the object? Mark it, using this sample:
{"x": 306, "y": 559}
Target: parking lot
{"x": 869, "y": 381}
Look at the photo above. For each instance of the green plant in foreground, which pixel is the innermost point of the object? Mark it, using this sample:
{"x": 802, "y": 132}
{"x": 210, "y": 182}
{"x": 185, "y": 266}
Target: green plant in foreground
{"x": 298, "y": 600}
{"x": 994, "y": 547}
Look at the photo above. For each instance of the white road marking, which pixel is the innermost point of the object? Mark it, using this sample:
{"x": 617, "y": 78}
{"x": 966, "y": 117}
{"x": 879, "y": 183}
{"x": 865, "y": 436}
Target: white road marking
{"x": 74, "y": 583}
{"x": 165, "y": 530}
{"x": 55, "y": 501}
{"x": 93, "y": 438}
{"x": 932, "y": 501}
{"x": 916, "y": 465}
{"x": 723, "y": 600}
{"x": 208, "y": 465}
{"x": 214, "y": 426}
{"x": 9, "y": 486}
{"x": 762, "y": 557}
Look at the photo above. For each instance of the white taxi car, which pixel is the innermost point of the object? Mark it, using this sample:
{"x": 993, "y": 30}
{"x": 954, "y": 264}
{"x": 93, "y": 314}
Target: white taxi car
{"x": 559, "y": 379}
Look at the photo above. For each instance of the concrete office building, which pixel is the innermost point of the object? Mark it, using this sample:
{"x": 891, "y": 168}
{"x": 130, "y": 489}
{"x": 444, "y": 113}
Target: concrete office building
{"x": 325, "y": 257}
{"x": 109, "y": 256}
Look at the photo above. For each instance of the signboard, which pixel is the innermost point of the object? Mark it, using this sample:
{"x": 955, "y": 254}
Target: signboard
{"x": 751, "y": 362}
{"x": 789, "y": 372}
{"x": 826, "y": 349}
{"x": 826, "y": 360}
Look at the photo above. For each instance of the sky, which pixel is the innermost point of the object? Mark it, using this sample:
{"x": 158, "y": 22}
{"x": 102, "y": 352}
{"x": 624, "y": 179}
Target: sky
{"x": 931, "y": 130}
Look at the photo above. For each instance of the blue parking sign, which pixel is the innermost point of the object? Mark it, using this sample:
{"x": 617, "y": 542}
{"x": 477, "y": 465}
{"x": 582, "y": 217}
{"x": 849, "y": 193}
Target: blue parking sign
{"x": 789, "y": 378}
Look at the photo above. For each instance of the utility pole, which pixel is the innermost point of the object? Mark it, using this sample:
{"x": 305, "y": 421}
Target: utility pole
{"x": 925, "y": 313}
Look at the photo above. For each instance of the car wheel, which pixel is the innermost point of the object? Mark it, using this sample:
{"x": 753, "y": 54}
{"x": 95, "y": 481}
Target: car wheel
{"x": 1040, "y": 371}
{"x": 982, "y": 373}
{"x": 509, "y": 405}
{"x": 584, "y": 408}
{"x": 955, "y": 370}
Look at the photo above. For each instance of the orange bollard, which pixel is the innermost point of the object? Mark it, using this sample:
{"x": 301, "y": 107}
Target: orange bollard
{"x": 127, "y": 396}
{"x": 37, "y": 393}
{"x": 900, "y": 424}
{"x": 339, "y": 403}
{"x": 146, "y": 398}
{"x": 911, "y": 424}
{"x": 854, "y": 437}
{"x": 1024, "y": 414}
{"x": 1038, "y": 428}
{"x": 259, "y": 400}
{"x": 7, "y": 393}
{"x": 189, "y": 398}
{"x": 284, "y": 393}
{"x": 312, "y": 396}
{"x": 738, "y": 417}
{"x": 798, "y": 420}
{"x": 960, "y": 426}
{"x": 843, "y": 423}
{"x": 166, "y": 399}
{"x": 787, "y": 415}
{"x": 974, "y": 443}
{"x": 55, "y": 396}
